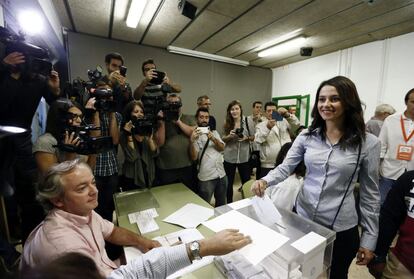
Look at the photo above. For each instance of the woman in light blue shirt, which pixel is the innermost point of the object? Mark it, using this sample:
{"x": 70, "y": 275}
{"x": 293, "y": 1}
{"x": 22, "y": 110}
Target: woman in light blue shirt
{"x": 336, "y": 151}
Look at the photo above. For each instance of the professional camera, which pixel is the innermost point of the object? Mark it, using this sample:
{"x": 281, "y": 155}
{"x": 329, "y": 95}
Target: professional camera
{"x": 239, "y": 132}
{"x": 142, "y": 126}
{"x": 87, "y": 143}
{"x": 36, "y": 58}
{"x": 103, "y": 99}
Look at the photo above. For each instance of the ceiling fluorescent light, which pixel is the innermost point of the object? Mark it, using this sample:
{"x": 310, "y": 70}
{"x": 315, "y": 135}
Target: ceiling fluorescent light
{"x": 135, "y": 12}
{"x": 278, "y": 40}
{"x": 205, "y": 55}
{"x": 283, "y": 47}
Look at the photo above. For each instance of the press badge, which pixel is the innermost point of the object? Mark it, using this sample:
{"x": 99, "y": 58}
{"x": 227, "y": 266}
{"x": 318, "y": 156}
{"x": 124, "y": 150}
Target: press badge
{"x": 404, "y": 152}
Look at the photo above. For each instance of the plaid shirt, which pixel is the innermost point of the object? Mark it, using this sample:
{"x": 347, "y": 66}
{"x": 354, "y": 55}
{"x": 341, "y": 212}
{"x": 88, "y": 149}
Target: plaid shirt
{"x": 106, "y": 162}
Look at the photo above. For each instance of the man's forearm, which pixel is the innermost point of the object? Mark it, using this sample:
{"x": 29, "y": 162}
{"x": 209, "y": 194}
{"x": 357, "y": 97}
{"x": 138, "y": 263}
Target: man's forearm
{"x": 124, "y": 237}
{"x": 113, "y": 128}
{"x": 139, "y": 91}
{"x": 187, "y": 130}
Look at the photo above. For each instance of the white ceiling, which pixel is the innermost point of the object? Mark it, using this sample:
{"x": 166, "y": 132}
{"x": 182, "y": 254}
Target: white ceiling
{"x": 234, "y": 28}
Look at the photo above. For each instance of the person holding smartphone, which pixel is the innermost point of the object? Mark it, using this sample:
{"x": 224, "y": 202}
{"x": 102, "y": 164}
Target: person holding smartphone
{"x": 272, "y": 133}
{"x": 117, "y": 78}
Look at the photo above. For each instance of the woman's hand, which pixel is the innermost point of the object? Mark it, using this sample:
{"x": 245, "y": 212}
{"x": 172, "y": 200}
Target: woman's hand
{"x": 364, "y": 256}
{"x": 258, "y": 187}
{"x": 71, "y": 139}
{"x": 128, "y": 126}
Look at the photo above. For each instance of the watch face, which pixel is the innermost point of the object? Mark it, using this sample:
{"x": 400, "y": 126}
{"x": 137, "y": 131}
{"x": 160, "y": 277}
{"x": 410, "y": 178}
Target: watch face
{"x": 195, "y": 245}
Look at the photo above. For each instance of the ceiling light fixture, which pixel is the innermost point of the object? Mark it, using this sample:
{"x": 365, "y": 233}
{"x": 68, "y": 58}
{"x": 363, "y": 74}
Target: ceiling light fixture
{"x": 205, "y": 55}
{"x": 278, "y": 40}
{"x": 135, "y": 12}
{"x": 283, "y": 47}
{"x": 31, "y": 22}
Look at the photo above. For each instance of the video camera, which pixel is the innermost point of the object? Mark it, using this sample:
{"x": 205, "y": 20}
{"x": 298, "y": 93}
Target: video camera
{"x": 37, "y": 60}
{"x": 87, "y": 143}
{"x": 81, "y": 91}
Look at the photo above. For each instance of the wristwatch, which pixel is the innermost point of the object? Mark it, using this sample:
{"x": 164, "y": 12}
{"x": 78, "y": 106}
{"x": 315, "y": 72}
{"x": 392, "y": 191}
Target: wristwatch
{"x": 195, "y": 250}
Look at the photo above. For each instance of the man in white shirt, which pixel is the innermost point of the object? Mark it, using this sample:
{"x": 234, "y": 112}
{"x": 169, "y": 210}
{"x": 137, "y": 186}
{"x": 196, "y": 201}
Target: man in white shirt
{"x": 252, "y": 121}
{"x": 397, "y": 146}
{"x": 272, "y": 134}
{"x": 207, "y": 147}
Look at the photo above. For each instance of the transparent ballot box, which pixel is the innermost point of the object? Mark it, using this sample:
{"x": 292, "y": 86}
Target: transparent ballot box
{"x": 307, "y": 253}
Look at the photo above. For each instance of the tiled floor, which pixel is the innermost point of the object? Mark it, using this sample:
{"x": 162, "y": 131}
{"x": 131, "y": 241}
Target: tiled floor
{"x": 355, "y": 271}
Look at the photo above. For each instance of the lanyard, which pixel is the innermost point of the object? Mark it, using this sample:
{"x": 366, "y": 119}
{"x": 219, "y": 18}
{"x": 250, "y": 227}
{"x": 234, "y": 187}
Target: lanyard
{"x": 403, "y": 131}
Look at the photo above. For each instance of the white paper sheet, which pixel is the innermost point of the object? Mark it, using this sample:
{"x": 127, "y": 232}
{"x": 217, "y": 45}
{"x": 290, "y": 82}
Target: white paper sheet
{"x": 190, "y": 215}
{"x": 264, "y": 240}
{"x": 266, "y": 210}
{"x": 185, "y": 236}
{"x": 151, "y": 212}
{"x": 240, "y": 204}
{"x": 147, "y": 224}
{"x": 306, "y": 243}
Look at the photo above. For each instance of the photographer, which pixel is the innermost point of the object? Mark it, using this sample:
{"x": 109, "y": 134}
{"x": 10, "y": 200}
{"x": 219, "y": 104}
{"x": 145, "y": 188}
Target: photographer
{"x": 174, "y": 163}
{"x": 139, "y": 148}
{"x": 62, "y": 115}
{"x": 237, "y": 149}
{"x": 106, "y": 168}
{"x": 149, "y": 70}
{"x": 20, "y": 91}
{"x": 117, "y": 77}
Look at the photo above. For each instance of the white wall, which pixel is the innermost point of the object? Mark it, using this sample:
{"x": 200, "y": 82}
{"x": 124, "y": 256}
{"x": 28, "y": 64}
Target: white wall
{"x": 381, "y": 70}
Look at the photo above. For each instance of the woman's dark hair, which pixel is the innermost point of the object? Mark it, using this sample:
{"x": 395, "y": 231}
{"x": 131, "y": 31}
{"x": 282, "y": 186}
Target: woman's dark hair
{"x": 126, "y": 113}
{"x": 354, "y": 125}
{"x": 300, "y": 169}
{"x": 57, "y": 116}
{"x": 69, "y": 266}
{"x": 229, "y": 124}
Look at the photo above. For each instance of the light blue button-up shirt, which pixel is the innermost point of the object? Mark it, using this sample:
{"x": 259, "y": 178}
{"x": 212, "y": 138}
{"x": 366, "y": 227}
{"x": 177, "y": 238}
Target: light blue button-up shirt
{"x": 328, "y": 172}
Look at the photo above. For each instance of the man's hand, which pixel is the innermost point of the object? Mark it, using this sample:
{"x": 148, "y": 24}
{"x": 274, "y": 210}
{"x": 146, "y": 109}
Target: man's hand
{"x": 376, "y": 269}
{"x": 195, "y": 135}
{"x": 53, "y": 81}
{"x": 223, "y": 243}
{"x": 271, "y": 123}
{"x": 364, "y": 256}
{"x": 150, "y": 74}
{"x": 14, "y": 58}
{"x": 91, "y": 103}
{"x": 283, "y": 112}
{"x": 116, "y": 77}
{"x": 244, "y": 138}
{"x": 147, "y": 244}
{"x": 258, "y": 187}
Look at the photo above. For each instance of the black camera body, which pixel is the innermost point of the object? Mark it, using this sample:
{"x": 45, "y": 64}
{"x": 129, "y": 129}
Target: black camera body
{"x": 159, "y": 79}
{"x": 142, "y": 126}
{"x": 37, "y": 60}
{"x": 103, "y": 99}
{"x": 239, "y": 132}
{"x": 87, "y": 144}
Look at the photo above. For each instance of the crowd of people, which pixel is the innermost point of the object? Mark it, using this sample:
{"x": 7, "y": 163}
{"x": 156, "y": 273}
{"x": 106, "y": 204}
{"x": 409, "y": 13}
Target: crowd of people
{"x": 140, "y": 139}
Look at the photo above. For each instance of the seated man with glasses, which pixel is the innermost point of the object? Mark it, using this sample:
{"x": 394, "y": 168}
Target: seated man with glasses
{"x": 63, "y": 113}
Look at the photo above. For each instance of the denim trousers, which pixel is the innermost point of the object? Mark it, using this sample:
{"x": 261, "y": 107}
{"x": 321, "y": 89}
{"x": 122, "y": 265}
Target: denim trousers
{"x": 217, "y": 186}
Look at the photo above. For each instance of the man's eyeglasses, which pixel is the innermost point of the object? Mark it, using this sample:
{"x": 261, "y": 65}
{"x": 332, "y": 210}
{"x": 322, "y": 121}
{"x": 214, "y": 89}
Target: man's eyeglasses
{"x": 74, "y": 116}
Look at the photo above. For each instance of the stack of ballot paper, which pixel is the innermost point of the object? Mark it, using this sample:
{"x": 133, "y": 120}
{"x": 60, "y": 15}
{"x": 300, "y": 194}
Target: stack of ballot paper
{"x": 145, "y": 220}
{"x": 190, "y": 216}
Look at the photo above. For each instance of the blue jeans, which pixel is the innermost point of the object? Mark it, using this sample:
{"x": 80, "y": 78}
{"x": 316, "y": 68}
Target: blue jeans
{"x": 385, "y": 185}
{"x": 217, "y": 186}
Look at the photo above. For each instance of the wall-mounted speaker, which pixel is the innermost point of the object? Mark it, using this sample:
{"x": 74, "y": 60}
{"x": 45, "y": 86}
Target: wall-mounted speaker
{"x": 187, "y": 9}
{"x": 306, "y": 51}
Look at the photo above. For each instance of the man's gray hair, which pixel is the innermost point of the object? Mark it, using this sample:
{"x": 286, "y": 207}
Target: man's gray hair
{"x": 384, "y": 108}
{"x": 201, "y": 99}
{"x": 51, "y": 185}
